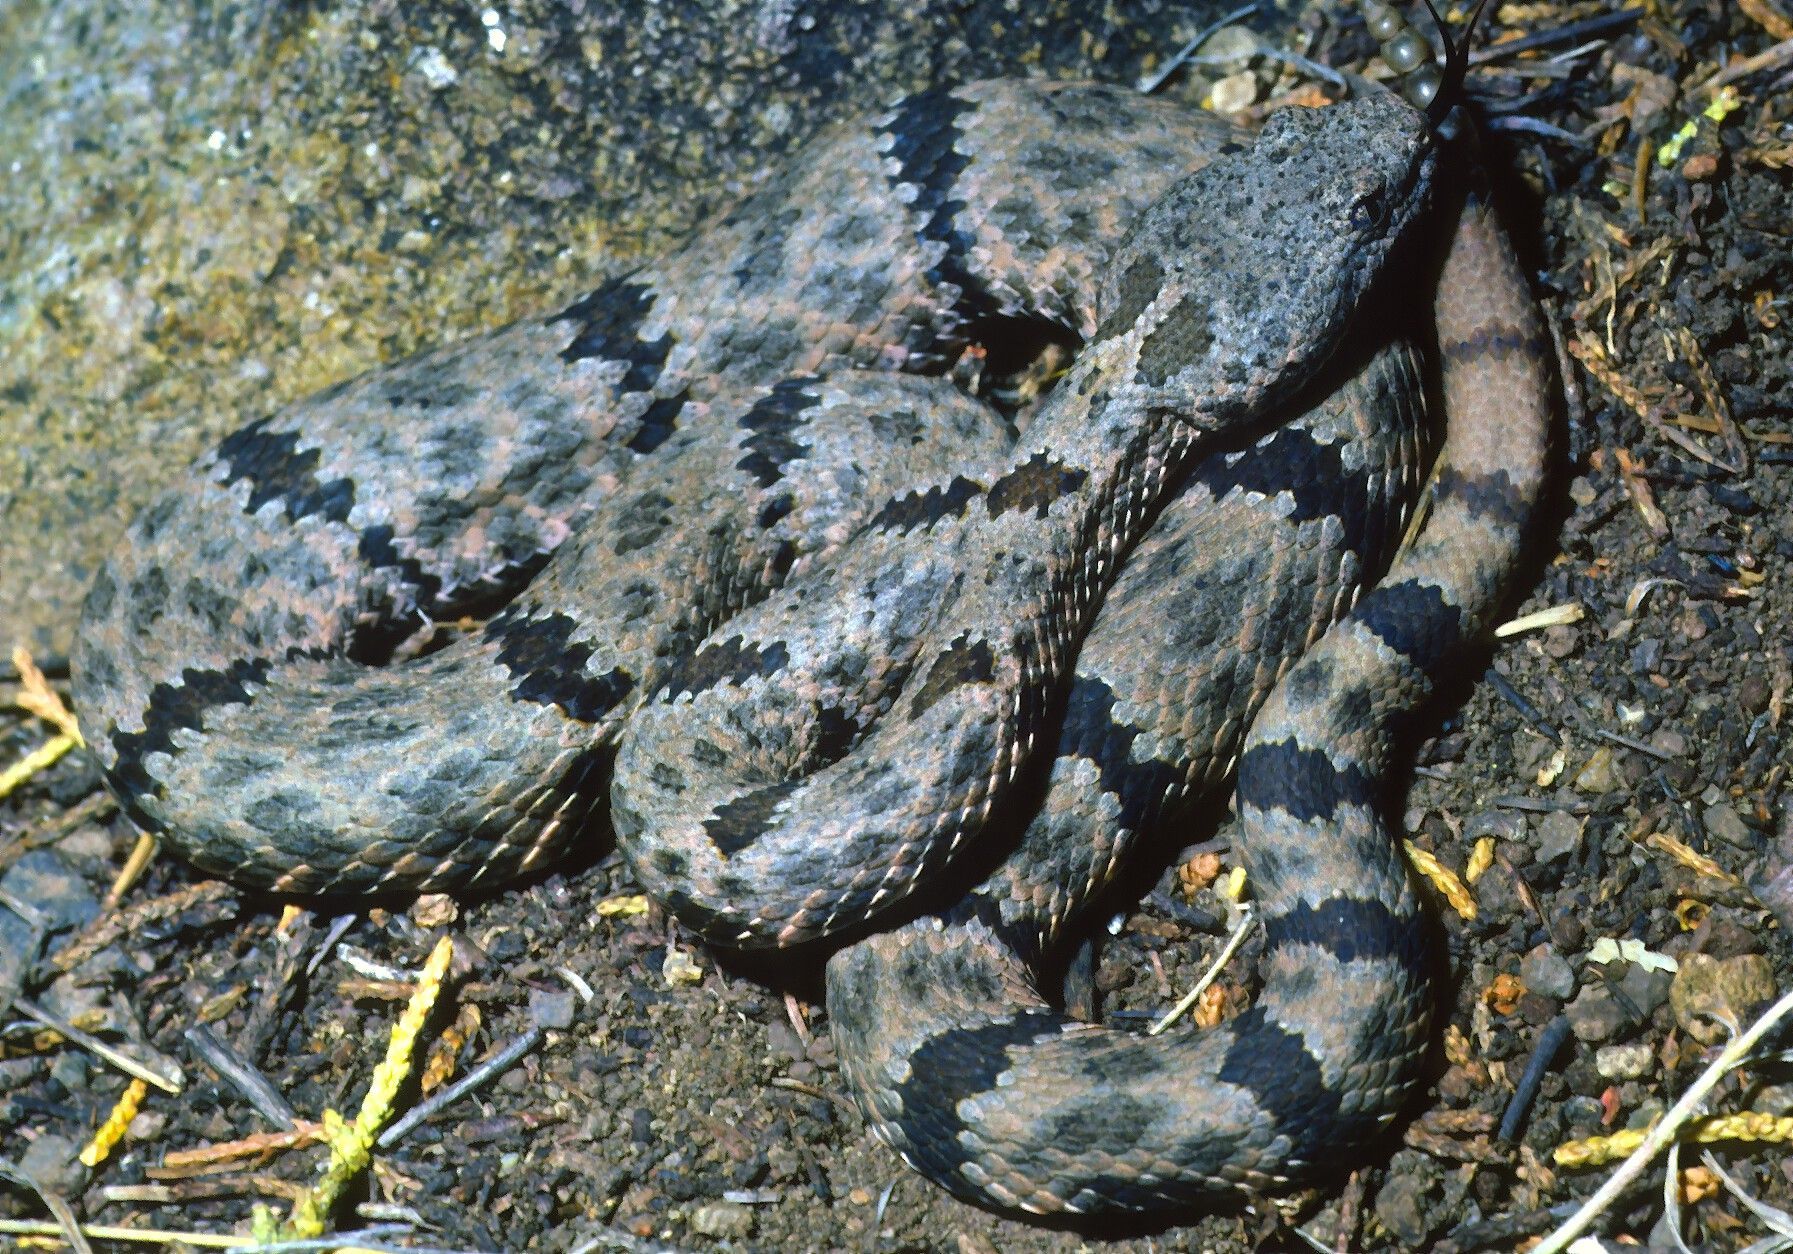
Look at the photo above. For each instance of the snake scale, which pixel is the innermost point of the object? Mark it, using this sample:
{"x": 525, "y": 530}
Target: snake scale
{"x": 756, "y": 573}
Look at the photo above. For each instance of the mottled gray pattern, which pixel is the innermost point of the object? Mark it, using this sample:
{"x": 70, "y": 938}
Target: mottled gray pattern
{"x": 968, "y": 1071}
{"x": 731, "y": 519}
{"x": 218, "y": 668}
{"x": 973, "y": 602}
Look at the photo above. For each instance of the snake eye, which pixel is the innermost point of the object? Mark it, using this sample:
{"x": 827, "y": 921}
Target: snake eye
{"x": 1366, "y": 213}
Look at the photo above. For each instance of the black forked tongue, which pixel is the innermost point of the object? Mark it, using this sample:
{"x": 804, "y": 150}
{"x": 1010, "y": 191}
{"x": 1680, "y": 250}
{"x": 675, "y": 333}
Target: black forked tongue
{"x": 1427, "y": 84}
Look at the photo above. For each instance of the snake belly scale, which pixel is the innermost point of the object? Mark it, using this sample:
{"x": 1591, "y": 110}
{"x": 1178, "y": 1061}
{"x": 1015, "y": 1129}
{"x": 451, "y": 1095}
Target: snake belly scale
{"x": 758, "y": 576}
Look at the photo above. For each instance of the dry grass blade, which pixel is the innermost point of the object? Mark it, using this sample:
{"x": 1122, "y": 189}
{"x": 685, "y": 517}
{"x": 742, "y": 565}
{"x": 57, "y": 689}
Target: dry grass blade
{"x": 1664, "y": 1132}
{"x": 124, "y": 1062}
{"x": 65, "y": 1226}
{"x": 1233, "y": 942}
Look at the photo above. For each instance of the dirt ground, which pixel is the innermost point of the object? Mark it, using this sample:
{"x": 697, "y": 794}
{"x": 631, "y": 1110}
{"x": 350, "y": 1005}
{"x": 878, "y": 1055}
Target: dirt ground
{"x": 1617, "y": 775}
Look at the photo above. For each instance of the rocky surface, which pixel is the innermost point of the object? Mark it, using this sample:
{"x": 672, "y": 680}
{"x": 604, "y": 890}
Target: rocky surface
{"x": 209, "y": 210}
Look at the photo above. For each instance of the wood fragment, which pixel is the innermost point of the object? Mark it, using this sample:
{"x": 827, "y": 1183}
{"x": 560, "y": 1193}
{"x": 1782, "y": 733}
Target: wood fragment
{"x": 121, "y": 923}
{"x": 1717, "y": 408}
{"x": 1769, "y": 18}
{"x": 1642, "y": 497}
{"x": 242, "y": 1075}
{"x": 1443, "y": 879}
{"x": 36, "y": 697}
{"x": 132, "y": 870}
{"x": 179, "y": 1164}
{"x": 1692, "y": 859}
{"x": 478, "y": 1075}
{"x": 180, "y": 1192}
{"x": 1551, "y": 616}
{"x": 1594, "y": 359}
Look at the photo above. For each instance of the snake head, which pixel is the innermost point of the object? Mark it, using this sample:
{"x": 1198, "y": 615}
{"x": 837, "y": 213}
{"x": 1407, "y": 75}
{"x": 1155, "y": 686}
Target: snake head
{"x": 1239, "y": 282}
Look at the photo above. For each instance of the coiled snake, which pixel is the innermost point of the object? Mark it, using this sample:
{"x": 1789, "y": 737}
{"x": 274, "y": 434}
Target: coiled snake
{"x": 758, "y": 574}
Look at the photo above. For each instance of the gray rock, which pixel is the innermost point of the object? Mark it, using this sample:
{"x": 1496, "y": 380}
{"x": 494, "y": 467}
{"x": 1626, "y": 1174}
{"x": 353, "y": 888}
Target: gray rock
{"x": 1724, "y": 823}
{"x": 1402, "y": 1202}
{"x": 60, "y": 896}
{"x": 1559, "y": 833}
{"x": 1504, "y": 825}
{"x": 1547, "y": 973}
{"x": 1595, "y": 1015}
{"x": 552, "y": 1008}
{"x": 51, "y": 1161}
{"x": 1646, "y": 988}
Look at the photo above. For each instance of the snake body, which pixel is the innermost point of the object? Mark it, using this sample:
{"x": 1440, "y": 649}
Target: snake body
{"x": 955, "y": 1053}
{"x": 754, "y": 571}
{"x": 917, "y": 667}
{"x": 220, "y": 661}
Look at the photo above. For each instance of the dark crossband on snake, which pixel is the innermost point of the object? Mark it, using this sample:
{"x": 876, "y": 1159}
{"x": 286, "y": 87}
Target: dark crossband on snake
{"x": 765, "y": 582}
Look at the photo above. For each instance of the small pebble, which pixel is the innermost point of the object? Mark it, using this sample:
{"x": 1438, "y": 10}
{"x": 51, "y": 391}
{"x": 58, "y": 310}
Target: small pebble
{"x": 434, "y": 68}
{"x": 1537, "y": 1010}
{"x": 1595, "y": 1015}
{"x": 1681, "y": 773}
{"x": 147, "y": 1125}
{"x": 1569, "y": 933}
{"x": 44, "y": 878}
{"x": 1561, "y": 641}
{"x": 679, "y": 968}
{"x": 1774, "y": 889}
{"x": 1558, "y": 833}
{"x": 722, "y": 1220}
{"x": 1754, "y": 693}
{"x": 1734, "y": 499}
{"x": 1624, "y": 1062}
{"x": 1597, "y": 776}
{"x": 552, "y": 1008}
{"x": 1403, "y": 1204}
{"x": 435, "y": 910}
{"x": 1457, "y": 1086}
{"x": 1726, "y": 938}
{"x": 1645, "y": 1113}
{"x": 1583, "y": 1111}
{"x": 1547, "y": 973}
{"x": 1723, "y": 823}
{"x": 70, "y": 1071}
{"x": 1235, "y": 44}
{"x": 51, "y": 1161}
{"x": 1111, "y": 977}
{"x": 1702, "y": 165}
{"x": 1505, "y": 825}
{"x": 1235, "y": 92}
{"x": 783, "y": 1041}
{"x": 1646, "y": 987}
